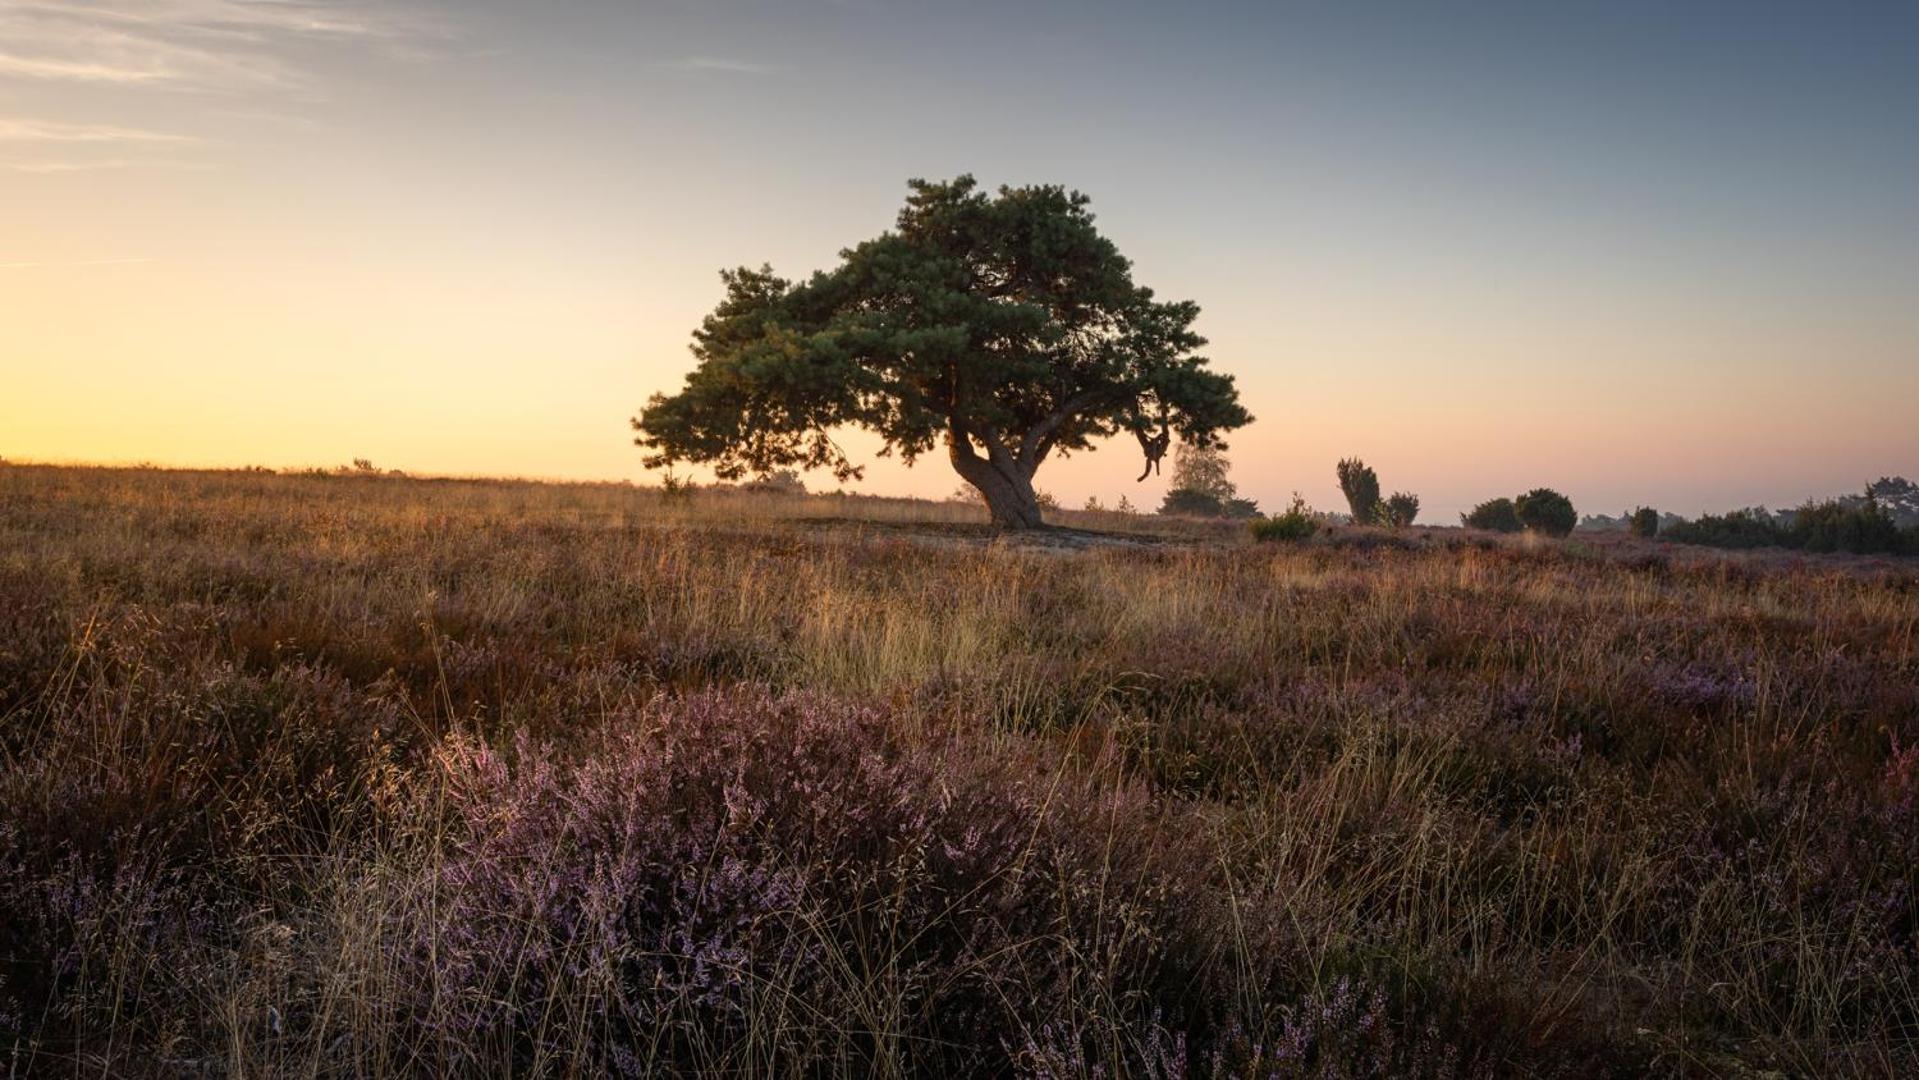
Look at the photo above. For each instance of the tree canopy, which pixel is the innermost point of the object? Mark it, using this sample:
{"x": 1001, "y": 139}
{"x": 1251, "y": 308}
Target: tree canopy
{"x": 1003, "y": 326}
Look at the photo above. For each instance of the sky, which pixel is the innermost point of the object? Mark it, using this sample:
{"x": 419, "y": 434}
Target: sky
{"x": 1661, "y": 254}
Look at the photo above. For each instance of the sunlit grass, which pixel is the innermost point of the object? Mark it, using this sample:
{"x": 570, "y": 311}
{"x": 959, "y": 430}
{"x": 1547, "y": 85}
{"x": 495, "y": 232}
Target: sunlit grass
{"x": 361, "y": 776}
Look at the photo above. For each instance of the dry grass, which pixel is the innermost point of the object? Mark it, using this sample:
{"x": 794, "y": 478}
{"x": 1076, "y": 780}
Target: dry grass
{"x": 369, "y": 776}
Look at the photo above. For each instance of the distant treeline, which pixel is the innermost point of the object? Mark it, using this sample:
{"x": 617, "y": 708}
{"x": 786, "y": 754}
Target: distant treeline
{"x": 1884, "y": 520}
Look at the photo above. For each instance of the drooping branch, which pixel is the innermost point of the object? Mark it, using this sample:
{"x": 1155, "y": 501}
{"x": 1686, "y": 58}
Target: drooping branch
{"x": 1154, "y": 446}
{"x": 1155, "y": 449}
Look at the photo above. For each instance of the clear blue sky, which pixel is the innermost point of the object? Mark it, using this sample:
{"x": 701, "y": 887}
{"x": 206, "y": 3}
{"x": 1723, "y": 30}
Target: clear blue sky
{"x": 1662, "y": 253}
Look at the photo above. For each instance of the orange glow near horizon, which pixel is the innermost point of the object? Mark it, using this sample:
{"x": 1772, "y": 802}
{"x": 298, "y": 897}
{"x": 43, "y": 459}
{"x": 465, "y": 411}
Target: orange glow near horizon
{"x": 447, "y": 247}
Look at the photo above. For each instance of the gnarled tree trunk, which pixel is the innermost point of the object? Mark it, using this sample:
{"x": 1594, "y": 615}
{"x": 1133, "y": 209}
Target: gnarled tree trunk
{"x": 1012, "y": 501}
{"x": 1006, "y": 482}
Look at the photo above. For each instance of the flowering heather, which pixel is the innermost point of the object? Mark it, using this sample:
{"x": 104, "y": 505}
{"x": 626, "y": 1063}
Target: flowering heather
{"x": 368, "y": 776}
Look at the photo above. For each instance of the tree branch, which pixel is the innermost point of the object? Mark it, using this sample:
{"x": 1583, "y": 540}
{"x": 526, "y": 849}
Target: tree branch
{"x": 999, "y": 455}
{"x": 959, "y": 441}
{"x": 1039, "y": 440}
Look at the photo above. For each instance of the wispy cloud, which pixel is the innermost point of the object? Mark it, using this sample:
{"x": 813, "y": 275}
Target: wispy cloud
{"x": 72, "y": 263}
{"x": 42, "y": 67}
{"x": 54, "y": 167}
{"x": 720, "y": 63}
{"x": 53, "y": 131}
{"x": 200, "y": 45}
{"x": 264, "y": 54}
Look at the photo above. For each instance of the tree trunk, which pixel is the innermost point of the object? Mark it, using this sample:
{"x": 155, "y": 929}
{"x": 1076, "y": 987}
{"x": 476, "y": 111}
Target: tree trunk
{"x": 1012, "y": 501}
{"x": 1006, "y": 486}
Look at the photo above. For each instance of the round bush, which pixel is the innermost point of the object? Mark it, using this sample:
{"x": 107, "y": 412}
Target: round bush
{"x": 1544, "y": 510}
{"x": 1495, "y": 515}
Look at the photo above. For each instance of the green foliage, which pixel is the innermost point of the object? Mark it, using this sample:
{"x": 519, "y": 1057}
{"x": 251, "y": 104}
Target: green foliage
{"x": 1739, "y": 529}
{"x": 1186, "y": 502}
{"x": 1860, "y": 526}
{"x": 1496, "y": 515}
{"x": 1203, "y": 469}
{"x": 1296, "y": 524}
{"x": 1360, "y": 485}
{"x": 777, "y": 482}
{"x": 1898, "y": 497}
{"x": 1201, "y": 487}
{"x": 1004, "y": 326}
{"x": 1544, "y": 510}
{"x": 1400, "y": 510}
{"x": 1644, "y": 522}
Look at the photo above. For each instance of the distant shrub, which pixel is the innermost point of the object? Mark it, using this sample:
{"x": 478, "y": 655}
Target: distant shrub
{"x": 1495, "y": 515}
{"x": 1898, "y": 497}
{"x": 1862, "y": 527}
{"x": 1201, "y": 488}
{"x": 1400, "y": 510}
{"x": 1192, "y": 502}
{"x": 1296, "y": 524}
{"x": 675, "y": 488}
{"x": 1644, "y": 522}
{"x": 1360, "y": 484}
{"x": 777, "y": 482}
{"x": 1544, "y": 510}
{"x": 1739, "y": 529}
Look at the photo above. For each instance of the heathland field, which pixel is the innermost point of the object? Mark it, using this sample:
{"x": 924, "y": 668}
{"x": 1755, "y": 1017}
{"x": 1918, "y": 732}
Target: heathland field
{"x": 345, "y": 776}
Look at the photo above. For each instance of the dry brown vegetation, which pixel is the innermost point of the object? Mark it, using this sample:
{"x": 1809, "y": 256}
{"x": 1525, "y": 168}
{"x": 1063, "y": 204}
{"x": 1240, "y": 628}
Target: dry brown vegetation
{"x": 362, "y": 776}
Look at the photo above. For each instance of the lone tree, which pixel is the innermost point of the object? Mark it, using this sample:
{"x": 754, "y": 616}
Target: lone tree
{"x": 1643, "y": 522}
{"x": 1543, "y": 510}
{"x": 1201, "y": 487}
{"x": 1004, "y": 326}
{"x": 1360, "y": 484}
